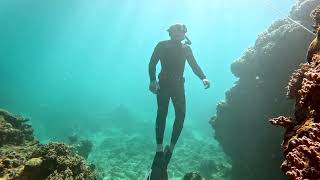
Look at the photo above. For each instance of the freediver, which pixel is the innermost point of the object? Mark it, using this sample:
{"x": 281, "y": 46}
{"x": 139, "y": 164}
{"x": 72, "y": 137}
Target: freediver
{"x": 172, "y": 54}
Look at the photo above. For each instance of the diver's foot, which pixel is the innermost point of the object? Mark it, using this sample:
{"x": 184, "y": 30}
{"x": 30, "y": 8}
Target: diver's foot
{"x": 159, "y": 161}
{"x": 167, "y": 154}
{"x": 158, "y": 175}
{"x": 159, "y": 168}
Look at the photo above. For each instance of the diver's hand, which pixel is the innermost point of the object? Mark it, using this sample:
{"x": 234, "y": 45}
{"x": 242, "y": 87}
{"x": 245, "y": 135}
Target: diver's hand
{"x": 154, "y": 87}
{"x": 206, "y": 83}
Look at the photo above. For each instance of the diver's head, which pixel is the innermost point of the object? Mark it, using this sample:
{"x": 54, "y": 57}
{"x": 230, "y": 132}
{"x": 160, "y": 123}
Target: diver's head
{"x": 177, "y": 32}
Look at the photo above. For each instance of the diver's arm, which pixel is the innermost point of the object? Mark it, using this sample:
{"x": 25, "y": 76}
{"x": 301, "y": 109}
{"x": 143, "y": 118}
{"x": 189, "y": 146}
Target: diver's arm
{"x": 194, "y": 65}
{"x": 154, "y": 86}
{"x": 153, "y": 63}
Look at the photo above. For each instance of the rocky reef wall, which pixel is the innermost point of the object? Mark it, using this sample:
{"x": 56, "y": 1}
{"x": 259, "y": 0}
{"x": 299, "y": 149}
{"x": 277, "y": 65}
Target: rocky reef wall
{"x": 241, "y": 121}
{"x": 301, "y": 142}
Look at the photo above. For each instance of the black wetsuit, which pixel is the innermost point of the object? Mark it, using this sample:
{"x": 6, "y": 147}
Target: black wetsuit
{"x": 172, "y": 56}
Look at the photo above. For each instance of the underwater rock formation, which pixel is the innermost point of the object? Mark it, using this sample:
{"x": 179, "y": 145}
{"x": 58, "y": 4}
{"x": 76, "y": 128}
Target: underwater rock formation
{"x": 22, "y": 157}
{"x": 315, "y": 15}
{"x": 192, "y": 176}
{"x": 56, "y": 160}
{"x": 84, "y": 148}
{"x": 314, "y": 47}
{"x": 241, "y": 121}
{"x": 209, "y": 168}
{"x": 14, "y": 130}
{"x": 301, "y": 144}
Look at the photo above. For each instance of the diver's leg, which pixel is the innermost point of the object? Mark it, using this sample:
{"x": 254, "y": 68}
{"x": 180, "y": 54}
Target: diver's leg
{"x": 179, "y": 104}
{"x": 163, "y": 102}
{"x": 159, "y": 165}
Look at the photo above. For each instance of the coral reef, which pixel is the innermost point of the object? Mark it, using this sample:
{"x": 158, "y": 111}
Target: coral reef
{"x": 13, "y": 129}
{"x": 13, "y": 160}
{"x": 241, "y": 121}
{"x": 301, "y": 144}
{"x": 22, "y": 157}
{"x": 123, "y": 156}
{"x": 56, "y": 160}
{"x": 315, "y": 15}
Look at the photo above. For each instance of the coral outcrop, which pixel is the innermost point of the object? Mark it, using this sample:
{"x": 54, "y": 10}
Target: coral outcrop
{"x": 56, "y": 160}
{"x": 24, "y": 158}
{"x": 14, "y": 130}
{"x": 315, "y": 15}
{"x": 241, "y": 121}
{"x": 301, "y": 144}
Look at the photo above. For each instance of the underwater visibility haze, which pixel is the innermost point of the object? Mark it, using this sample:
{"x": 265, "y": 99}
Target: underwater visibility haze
{"x": 78, "y": 71}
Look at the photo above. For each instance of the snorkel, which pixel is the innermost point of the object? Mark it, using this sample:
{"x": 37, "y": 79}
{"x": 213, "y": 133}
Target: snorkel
{"x": 187, "y": 42}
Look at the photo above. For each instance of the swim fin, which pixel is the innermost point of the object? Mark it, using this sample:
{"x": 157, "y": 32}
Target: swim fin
{"x": 158, "y": 168}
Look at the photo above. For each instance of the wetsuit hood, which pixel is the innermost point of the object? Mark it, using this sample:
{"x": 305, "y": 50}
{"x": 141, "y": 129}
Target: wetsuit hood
{"x": 180, "y": 28}
{"x": 177, "y": 27}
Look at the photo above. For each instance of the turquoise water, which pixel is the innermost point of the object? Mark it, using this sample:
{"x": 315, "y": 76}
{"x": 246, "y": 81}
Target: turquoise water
{"x": 81, "y": 67}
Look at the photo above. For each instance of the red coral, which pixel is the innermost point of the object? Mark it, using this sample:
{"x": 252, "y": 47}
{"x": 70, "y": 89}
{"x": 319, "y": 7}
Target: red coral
{"x": 310, "y": 89}
{"x": 302, "y": 153}
{"x": 296, "y": 80}
{"x": 301, "y": 145}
